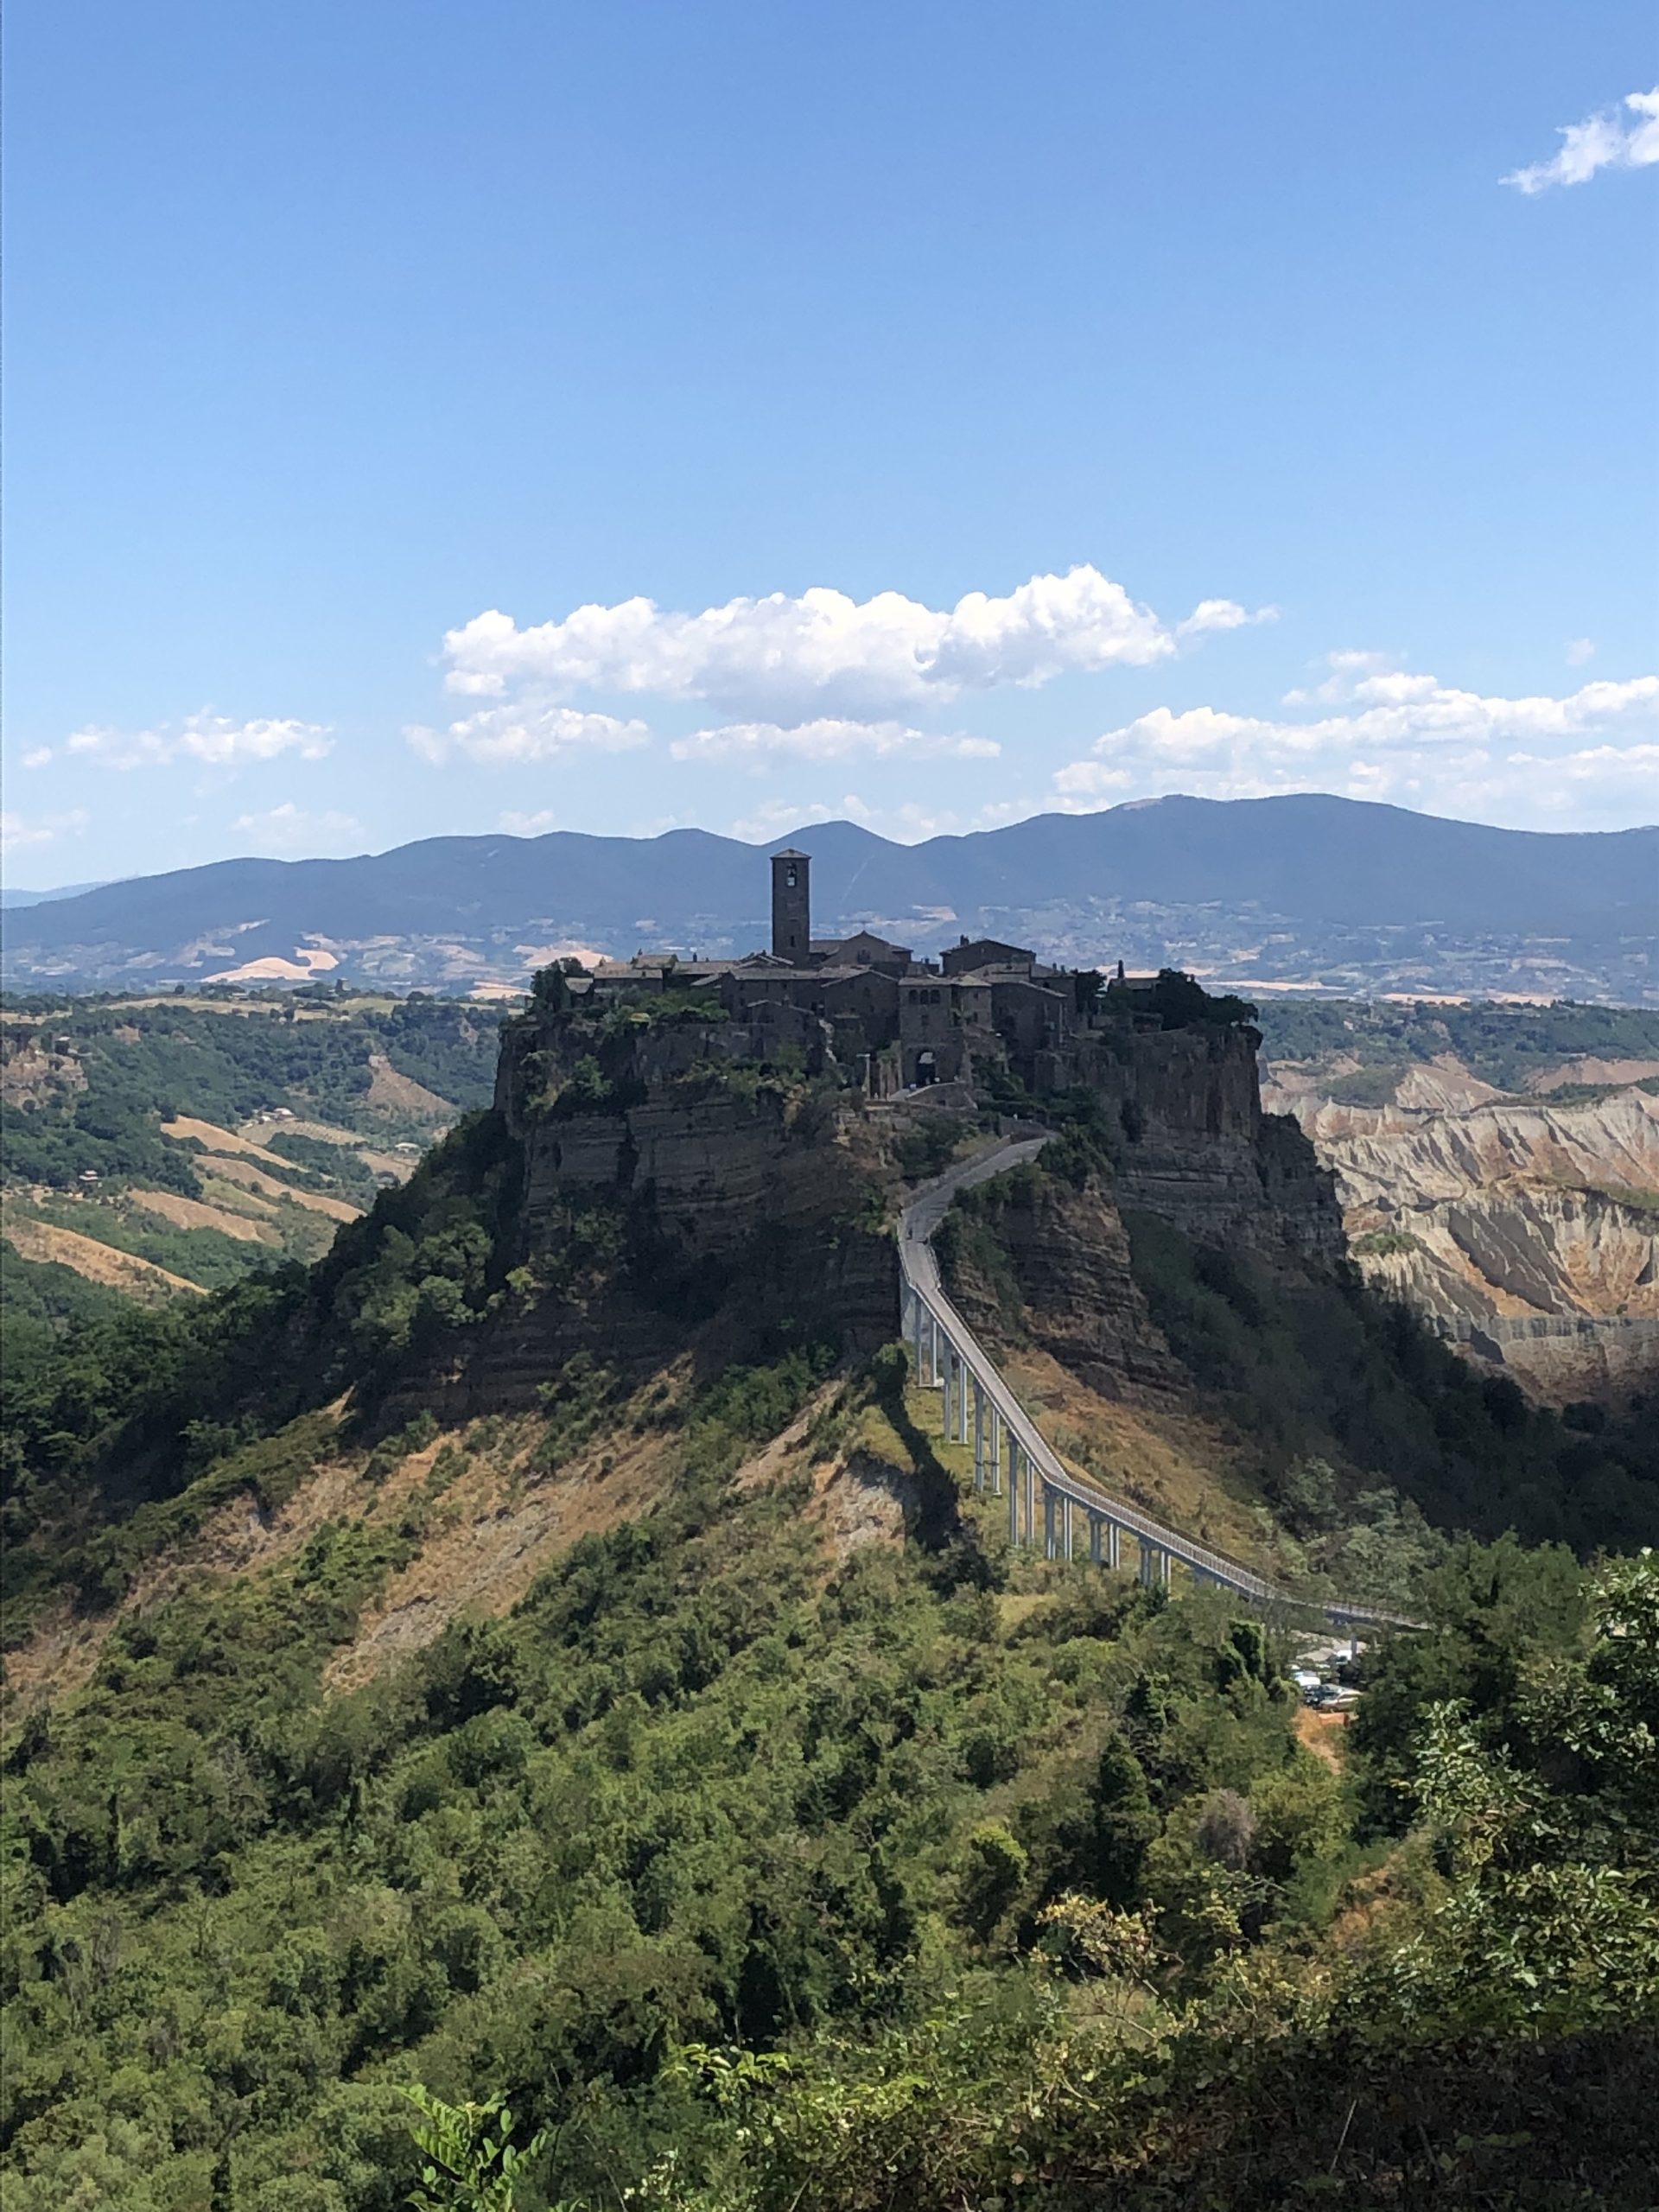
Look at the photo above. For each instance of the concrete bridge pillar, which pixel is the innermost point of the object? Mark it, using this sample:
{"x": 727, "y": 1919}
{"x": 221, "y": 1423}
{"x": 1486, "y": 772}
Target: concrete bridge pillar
{"x": 1114, "y": 1545}
{"x": 979, "y": 1435}
{"x": 1065, "y": 1526}
{"x": 1049, "y": 1502}
{"x": 1031, "y": 1495}
{"x": 1154, "y": 1565}
{"x": 1014, "y": 1500}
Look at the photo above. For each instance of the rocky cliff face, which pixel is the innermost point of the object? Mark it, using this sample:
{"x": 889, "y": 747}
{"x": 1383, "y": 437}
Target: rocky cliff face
{"x": 769, "y": 1189}
{"x": 772, "y": 1189}
{"x": 1200, "y": 1154}
{"x": 1063, "y": 1253}
{"x": 1529, "y": 1232}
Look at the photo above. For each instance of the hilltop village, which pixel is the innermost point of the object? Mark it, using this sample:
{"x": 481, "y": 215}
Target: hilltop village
{"x": 651, "y": 1075}
{"x": 870, "y": 1011}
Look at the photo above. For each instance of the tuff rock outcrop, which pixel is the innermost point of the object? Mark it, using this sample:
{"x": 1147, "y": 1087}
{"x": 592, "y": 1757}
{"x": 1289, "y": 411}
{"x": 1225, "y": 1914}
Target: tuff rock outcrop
{"x": 1527, "y": 1232}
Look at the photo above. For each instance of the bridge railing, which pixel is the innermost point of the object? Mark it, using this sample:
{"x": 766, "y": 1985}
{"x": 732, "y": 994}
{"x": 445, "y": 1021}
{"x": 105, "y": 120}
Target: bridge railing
{"x": 1012, "y": 1457}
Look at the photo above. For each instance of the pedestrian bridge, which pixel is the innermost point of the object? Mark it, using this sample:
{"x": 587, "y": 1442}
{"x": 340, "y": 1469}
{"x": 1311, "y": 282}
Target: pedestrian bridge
{"x": 1048, "y": 1505}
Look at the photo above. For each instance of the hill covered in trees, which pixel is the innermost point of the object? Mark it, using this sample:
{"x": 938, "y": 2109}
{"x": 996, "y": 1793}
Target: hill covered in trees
{"x": 567, "y": 1666}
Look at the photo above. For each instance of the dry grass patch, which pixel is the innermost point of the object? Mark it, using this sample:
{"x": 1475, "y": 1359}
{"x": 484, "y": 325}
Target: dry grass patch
{"x": 255, "y": 1178}
{"x": 99, "y": 1263}
{"x": 191, "y": 1213}
{"x": 213, "y": 1139}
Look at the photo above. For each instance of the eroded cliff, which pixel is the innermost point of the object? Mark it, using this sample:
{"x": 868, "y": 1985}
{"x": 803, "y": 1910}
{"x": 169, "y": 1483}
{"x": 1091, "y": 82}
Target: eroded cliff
{"x": 1528, "y": 1231}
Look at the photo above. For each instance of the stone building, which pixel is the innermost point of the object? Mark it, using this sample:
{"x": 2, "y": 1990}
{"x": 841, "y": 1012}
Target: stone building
{"x": 885, "y": 1022}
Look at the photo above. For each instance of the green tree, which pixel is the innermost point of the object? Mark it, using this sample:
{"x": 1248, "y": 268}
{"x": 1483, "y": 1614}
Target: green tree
{"x": 1123, "y": 1824}
{"x": 471, "y": 2165}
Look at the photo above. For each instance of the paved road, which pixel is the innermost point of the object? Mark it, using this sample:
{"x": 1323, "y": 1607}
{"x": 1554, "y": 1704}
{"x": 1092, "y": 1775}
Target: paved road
{"x": 926, "y": 1209}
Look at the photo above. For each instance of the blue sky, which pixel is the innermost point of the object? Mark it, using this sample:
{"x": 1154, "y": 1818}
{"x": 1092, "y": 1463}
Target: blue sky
{"x": 942, "y": 412}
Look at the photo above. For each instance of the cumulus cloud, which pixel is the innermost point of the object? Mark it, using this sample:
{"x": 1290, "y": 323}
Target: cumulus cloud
{"x": 1402, "y": 736}
{"x": 214, "y": 739}
{"x": 288, "y": 829}
{"x": 1221, "y": 614}
{"x": 830, "y": 738}
{"x": 20, "y": 833}
{"x": 1625, "y": 136}
{"x": 530, "y": 730}
{"x": 782, "y": 658}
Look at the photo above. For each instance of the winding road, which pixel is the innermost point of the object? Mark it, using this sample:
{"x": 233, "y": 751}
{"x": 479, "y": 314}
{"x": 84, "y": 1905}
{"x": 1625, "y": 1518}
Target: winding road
{"x": 979, "y": 1406}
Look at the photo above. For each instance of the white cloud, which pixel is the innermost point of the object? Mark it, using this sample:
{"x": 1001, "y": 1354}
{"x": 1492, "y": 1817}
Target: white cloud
{"x": 213, "y": 739}
{"x": 531, "y": 728}
{"x": 288, "y": 829}
{"x": 780, "y": 659}
{"x": 1405, "y": 737}
{"x": 1622, "y": 138}
{"x": 20, "y": 834}
{"x": 828, "y": 739}
{"x": 512, "y": 823}
{"x": 1579, "y": 651}
{"x": 1221, "y": 614}
{"x": 1347, "y": 668}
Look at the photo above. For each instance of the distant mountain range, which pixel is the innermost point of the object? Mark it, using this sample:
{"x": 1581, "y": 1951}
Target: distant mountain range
{"x": 14, "y": 895}
{"x": 1276, "y": 892}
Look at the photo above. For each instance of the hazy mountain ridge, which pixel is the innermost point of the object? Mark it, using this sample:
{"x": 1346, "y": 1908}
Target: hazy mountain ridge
{"x": 1290, "y": 890}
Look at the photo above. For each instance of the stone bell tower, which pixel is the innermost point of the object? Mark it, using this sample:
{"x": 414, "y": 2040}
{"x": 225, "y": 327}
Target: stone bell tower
{"x": 792, "y": 908}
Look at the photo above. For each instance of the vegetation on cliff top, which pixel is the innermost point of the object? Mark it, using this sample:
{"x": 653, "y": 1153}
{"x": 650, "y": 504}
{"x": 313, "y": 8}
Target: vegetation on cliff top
{"x": 1502, "y": 1044}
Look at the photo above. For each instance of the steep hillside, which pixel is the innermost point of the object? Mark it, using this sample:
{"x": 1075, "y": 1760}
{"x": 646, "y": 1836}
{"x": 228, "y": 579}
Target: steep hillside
{"x": 542, "y": 1651}
{"x": 1499, "y": 1169}
{"x": 1228, "y": 1376}
{"x": 1303, "y": 889}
